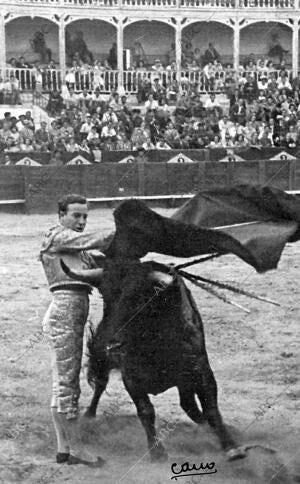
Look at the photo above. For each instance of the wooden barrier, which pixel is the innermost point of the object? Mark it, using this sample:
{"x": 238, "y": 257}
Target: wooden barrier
{"x": 39, "y": 188}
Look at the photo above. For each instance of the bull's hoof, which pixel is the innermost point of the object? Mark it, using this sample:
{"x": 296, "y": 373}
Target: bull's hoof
{"x": 158, "y": 454}
{"x": 89, "y": 413}
{"x": 236, "y": 453}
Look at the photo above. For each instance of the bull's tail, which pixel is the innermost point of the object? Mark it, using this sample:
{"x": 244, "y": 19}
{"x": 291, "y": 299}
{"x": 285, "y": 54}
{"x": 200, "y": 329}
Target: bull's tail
{"x": 95, "y": 363}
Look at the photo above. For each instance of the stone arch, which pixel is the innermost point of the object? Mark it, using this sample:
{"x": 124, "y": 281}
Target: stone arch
{"x": 198, "y": 34}
{"x": 150, "y": 40}
{"x": 259, "y": 40}
{"x": 98, "y": 36}
{"x": 34, "y": 38}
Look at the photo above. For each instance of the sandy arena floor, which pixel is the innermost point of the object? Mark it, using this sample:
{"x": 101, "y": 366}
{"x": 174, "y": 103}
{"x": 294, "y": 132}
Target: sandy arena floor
{"x": 255, "y": 358}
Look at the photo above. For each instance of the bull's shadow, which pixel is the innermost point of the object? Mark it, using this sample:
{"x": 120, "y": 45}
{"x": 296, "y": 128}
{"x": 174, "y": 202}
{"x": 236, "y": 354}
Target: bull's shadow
{"x": 152, "y": 331}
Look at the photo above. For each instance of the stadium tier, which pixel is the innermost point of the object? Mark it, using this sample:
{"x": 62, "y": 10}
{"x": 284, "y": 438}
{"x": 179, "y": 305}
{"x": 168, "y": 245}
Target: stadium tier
{"x": 142, "y": 75}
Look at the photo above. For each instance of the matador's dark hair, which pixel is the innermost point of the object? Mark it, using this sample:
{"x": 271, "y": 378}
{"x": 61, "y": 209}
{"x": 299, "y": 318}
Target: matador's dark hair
{"x": 65, "y": 201}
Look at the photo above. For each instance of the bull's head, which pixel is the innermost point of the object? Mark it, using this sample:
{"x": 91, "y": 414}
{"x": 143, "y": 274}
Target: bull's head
{"x": 94, "y": 277}
{"x": 90, "y": 276}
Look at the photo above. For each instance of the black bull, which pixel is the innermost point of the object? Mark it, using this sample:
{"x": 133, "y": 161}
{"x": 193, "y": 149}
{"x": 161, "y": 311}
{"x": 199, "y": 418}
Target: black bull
{"x": 152, "y": 331}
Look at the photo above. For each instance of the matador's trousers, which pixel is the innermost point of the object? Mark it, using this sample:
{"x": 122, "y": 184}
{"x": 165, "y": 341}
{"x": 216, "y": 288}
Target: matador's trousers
{"x": 63, "y": 326}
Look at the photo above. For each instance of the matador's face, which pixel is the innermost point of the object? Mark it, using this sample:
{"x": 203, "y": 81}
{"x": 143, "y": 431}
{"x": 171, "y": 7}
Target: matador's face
{"x": 75, "y": 217}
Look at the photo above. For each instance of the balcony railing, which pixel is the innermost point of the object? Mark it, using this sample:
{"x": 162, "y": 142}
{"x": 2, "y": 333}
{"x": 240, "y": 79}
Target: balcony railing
{"x": 133, "y": 82}
{"x": 199, "y": 4}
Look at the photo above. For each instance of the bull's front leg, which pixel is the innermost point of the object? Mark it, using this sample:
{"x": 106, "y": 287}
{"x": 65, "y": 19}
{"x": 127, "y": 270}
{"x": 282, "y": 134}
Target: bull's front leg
{"x": 146, "y": 413}
{"x": 206, "y": 389}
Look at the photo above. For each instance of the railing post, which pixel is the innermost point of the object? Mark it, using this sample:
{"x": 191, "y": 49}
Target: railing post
{"x": 178, "y": 46}
{"x": 236, "y": 47}
{"x": 3, "y": 45}
{"x": 295, "y": 48}
{"x": 62, "y": 48}
{"x": 120, "y": 54}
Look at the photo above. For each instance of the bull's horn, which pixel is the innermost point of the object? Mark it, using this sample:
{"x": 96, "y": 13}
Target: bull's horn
{"x": 162, "y": 278}
{"x": 91, "y": 276}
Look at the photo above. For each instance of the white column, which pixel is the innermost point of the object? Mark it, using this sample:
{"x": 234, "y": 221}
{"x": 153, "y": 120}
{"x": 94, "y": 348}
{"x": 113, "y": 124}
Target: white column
{"x": 2, "y": 44}
{"x": 62, "y": 48}
{"x": 236, "y": 47}
{"x": 178, "y": 47}
{"x": 120, "y": 46}
{"x": 295, "y": 48}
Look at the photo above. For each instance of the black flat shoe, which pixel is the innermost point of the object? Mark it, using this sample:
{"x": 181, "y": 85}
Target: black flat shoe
{"x": 62, "y": 457}
{"x": 73, "y": 460}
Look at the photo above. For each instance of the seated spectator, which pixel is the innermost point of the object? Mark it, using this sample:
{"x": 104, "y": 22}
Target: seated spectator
{"x": 162, "y": 145}
{"x": 114, "y": 102}
{"x": 84, "y": 99}
{"x": 54, "y": 130}
{"x": 265, "y": 138}
{"x": 37, "y": 81}
{"x": 93, "y": 136}
{"x": 55, "y": 103}
{"x": 7, "y": 91}
{"x": 254, "y": 140}
{"x": 42, "y": 137}
{"x": 172, "y": 91}
{"x": 138, "y": 138}
{"x": 228, "y": 141}
{"x": 172, "y": 66}
{"x": 30, "y": 120}
{"x": 97, "y": 100}
{"x": 27, "y": 145}
{"x": 211, "y": 102}
{"x": 15, "y": 135}
{"x": 262, "y": 84}
{"x": 122, "y": 142}
{"x": 224, "y": 124}
{"x": 66, "y": 130}
{"x": 250, "y": 88}
{"x": 157, "y": 66}
{"x": 86, "y": 127}
{"x": 108, "y": 131}
{"x": 72, "y": 146}
{"x": 15, "y": 90}
{"x": 141, "y": 66}
{"x": 210, "y": 55}
{"x": 84, "y": 147}
{"x": 151, "y": 103}
{"x": 27, "y": 131}
{"x": 148, "y": 145}
{"x": 291, "y": 137}
{"x": 238, "y": 112}
{"x": 157, "y": 90}
{"x": 283, "y": 82}
{"x": 216, "y": 142}
{"x": 12, "y": 146}
{"x": 110, "y": 117}
{"x": 71, "y": 98}
{"x": 241, "y": 142}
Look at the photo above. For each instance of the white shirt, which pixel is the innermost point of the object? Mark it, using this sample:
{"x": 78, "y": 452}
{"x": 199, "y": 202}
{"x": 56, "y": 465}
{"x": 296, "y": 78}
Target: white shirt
{"x": 86, "y": 127}
{"x": 109, "y": 117}
{"x": 211, "y": 104}
{"x": 151, "y": 104}
{"x": 106, "y": 132}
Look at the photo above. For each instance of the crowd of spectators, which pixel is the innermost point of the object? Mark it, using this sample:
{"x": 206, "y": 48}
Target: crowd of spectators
{"x": 85, "y": 72}
{"x": 262, "y": 113}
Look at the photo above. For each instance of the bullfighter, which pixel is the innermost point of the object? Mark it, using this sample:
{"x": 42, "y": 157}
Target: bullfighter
{"x": 65, "y": 320}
